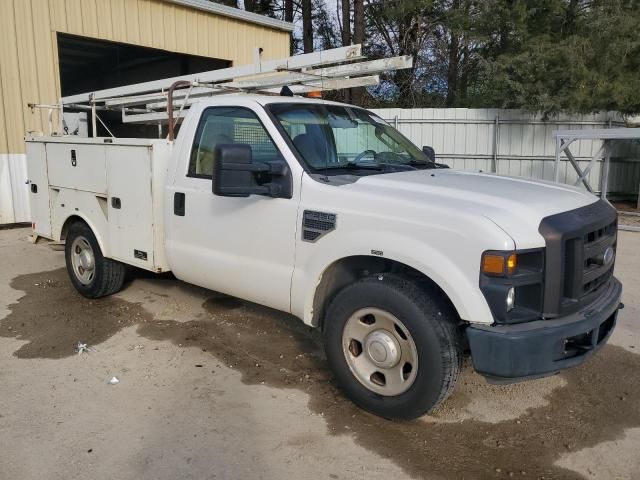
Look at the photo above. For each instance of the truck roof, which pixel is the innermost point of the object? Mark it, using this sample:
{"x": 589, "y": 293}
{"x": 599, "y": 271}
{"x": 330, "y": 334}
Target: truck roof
{"x": 269, "y": 99}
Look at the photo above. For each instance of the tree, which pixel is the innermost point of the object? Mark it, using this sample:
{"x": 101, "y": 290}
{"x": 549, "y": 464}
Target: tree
{"x": 324, "y": 27}
{"x": 307, "y": 26}
{"x": 539, "y": 55}
{"x": 569, "y": 55}
{"x": 288, "y": 10}
{"x": 288, "y": 17}
{"x": 543, "y": 55}
{"x": 356, "y": 95}
{"x": 262, "y": 7}
{"x": 228, "y": 3}
{"x": 358, "y": 21}
{"x": 402, "y": 28}
{"x": 452, "y": 44}
{"x": 346, "y": 41}
{"x": 346, "y": 22}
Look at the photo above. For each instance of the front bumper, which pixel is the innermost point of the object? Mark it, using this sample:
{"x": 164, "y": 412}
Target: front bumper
{"x": 510, "y": 353}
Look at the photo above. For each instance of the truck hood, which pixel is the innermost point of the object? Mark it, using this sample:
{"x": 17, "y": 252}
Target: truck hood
{"x": 516, "y": 205}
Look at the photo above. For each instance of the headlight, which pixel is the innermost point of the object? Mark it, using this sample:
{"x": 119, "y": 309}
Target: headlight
{"x": 505, "y": 274}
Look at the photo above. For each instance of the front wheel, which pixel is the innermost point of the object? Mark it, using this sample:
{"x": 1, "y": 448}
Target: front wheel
{"x": 394, "y": 347}
{"x": 92, "y": 274}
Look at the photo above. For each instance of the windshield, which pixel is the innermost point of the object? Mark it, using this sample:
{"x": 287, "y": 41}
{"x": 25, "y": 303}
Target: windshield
{"x": 333, "y": 138}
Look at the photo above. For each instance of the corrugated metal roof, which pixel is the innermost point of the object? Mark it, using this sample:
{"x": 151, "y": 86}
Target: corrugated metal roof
{"x": 236, "y": 13}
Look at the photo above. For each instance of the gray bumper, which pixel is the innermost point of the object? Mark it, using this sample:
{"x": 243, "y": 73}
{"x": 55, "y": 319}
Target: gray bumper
{"x": 509, "y": 353}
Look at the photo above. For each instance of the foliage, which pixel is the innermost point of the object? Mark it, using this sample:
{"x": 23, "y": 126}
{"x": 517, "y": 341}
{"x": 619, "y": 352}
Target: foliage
{"x": 564, "y": 55}
{"x": 539, "y": 55}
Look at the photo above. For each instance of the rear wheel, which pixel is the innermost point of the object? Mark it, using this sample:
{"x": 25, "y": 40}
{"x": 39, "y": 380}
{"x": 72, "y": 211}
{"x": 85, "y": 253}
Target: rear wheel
{"x": 92, "y": 274}
{"x": 394, "y": 348}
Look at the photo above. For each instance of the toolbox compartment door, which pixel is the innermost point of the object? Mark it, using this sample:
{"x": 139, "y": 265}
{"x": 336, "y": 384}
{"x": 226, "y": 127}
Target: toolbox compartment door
{"x": 130, "y": 204}
{"x": 39, "y": 193}
{"x": 77, "y": 166}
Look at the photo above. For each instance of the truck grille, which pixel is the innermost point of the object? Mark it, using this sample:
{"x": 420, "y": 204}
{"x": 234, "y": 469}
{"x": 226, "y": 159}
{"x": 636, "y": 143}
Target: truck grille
{"x": 580, "y": 255}
{"x": 596, "y": 271}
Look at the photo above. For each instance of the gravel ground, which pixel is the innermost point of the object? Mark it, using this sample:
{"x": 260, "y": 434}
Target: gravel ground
{"x": 629, "y": 215}
{"x": 214, "y": 387}
{"x": 630, "y": 220}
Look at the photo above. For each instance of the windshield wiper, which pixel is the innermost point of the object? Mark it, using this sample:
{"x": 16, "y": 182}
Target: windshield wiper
{"x": 384, "y": 166}
{"x": 419, "y": 164}
{"x": 365, "y": 166}
{"x": 358, "y": 166}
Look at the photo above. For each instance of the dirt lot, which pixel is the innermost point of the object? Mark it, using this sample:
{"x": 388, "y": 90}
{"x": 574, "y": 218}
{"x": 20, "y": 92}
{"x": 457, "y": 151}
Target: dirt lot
{"x": 213, "y": 387}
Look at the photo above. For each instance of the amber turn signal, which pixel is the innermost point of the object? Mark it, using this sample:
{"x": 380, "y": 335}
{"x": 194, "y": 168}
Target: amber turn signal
{"x": 496, "y": 264}
{"x": 512, "y": 263}
{"x": 493, "y": 264}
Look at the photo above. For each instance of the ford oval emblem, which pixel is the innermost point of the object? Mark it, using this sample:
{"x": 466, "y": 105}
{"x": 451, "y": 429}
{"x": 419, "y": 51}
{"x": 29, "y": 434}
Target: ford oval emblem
{"x": 607, "y": 258}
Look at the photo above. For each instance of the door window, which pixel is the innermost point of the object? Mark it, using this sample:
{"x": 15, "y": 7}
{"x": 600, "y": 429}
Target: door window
{"x": 228, "y": 125}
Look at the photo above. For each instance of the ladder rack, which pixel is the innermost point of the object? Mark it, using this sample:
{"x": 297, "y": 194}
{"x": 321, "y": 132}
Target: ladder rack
{"x": 161, "y": 101}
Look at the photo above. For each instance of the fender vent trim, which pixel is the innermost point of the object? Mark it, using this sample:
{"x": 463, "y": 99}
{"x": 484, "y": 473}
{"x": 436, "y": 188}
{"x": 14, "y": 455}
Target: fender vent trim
{"x": 317, "y": 224}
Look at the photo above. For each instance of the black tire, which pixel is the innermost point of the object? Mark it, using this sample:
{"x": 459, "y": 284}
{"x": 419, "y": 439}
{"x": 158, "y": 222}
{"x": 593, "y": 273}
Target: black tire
{"x": 108, "y": 275}
{"x": 431, "y": 322}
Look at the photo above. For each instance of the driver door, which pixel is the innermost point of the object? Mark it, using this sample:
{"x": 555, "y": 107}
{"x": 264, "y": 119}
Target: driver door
{"x": 242, "y": 246}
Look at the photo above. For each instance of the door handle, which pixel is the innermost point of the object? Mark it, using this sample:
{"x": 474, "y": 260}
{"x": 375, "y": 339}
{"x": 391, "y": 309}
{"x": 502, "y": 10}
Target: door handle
{"x": 178, "y": 204}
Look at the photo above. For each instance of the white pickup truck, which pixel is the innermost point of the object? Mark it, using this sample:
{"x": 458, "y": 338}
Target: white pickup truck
{"x": 324, "y": 210}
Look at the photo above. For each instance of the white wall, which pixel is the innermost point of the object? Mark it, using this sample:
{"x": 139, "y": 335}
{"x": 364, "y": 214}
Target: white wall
{"x": 513, "y": 142}
{"x": 14, "y": 192}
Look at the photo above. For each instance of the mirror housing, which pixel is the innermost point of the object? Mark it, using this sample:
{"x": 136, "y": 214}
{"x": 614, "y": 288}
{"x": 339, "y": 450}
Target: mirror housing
{"x": 236, "y": 175}
{"x": 430, "y": 153}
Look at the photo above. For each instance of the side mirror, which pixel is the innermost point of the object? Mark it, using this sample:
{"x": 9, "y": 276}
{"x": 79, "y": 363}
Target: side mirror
{"x": 430, "y": 153}
{"x": 236, "y": 175}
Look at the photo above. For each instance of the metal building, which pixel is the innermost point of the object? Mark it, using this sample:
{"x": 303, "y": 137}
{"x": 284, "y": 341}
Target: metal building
{"x": 54, "y": 48}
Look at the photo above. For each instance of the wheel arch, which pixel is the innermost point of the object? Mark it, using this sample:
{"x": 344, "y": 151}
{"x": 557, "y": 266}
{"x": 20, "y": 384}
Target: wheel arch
{"x": 76, "y": 218}
{"x": 346, "y": 270}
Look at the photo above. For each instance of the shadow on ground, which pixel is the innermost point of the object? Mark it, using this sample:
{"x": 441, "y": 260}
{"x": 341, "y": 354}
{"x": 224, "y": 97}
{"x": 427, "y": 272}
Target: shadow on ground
{"x": 597, "y": 403}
